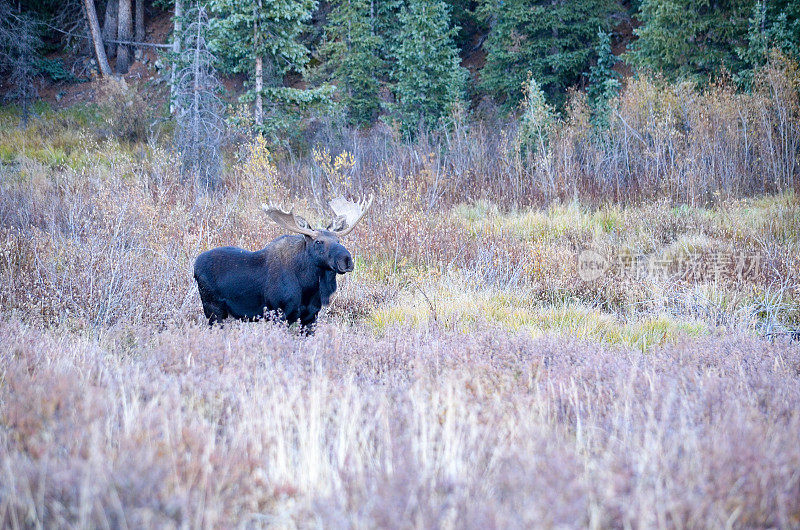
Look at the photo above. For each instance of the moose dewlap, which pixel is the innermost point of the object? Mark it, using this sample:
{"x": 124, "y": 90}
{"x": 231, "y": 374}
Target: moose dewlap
{"x": 294, "y": 275}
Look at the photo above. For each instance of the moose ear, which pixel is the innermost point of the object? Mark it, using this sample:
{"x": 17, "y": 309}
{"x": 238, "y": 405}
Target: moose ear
{"x": 338, "y": 224}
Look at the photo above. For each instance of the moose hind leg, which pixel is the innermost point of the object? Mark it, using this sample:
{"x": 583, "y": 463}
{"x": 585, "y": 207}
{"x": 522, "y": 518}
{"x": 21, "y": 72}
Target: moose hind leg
{"x": 214, "y": 309}
{"x": 215, "y": 312}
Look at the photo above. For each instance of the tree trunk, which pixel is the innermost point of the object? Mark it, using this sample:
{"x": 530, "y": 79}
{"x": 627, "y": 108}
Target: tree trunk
{"x": 97, "y": 38}
{"x": 139, "y": 23}
{"x": 110, "y": 27}
{"x": 259, "y": 110}
{"x": 196, "y": 98}
{"x": 125, "y": 33}
{"x": 176, "y": 49}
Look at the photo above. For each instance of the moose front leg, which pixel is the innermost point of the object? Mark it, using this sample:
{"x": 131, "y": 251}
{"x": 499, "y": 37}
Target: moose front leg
{"x": 307, "y": 325}
{"x": 308, "y": 318}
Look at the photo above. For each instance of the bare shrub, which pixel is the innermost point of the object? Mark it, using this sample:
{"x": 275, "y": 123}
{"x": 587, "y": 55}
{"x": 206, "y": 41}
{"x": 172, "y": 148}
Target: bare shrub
{"x": 126, "y": 114}
{"x": 662, "y": 140}
{"x": 198, "y": 109}
{"x": 778, "y": 83}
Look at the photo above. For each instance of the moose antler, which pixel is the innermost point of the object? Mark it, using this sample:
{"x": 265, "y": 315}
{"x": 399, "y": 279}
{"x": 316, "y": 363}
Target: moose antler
{"x": 348, "y": 214}
{"x": 288, "y": 220}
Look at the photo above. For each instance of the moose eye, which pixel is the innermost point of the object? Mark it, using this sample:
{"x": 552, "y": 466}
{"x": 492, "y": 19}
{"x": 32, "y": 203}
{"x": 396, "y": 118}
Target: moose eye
{"x": 318, "y": 243}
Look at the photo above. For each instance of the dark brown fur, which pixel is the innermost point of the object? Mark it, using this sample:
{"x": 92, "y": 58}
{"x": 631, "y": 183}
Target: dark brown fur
{"x": 293, "y": 276}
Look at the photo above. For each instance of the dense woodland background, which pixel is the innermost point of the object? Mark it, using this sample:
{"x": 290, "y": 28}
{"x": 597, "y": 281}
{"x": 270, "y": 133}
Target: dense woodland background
{"x": 305, "y": 73}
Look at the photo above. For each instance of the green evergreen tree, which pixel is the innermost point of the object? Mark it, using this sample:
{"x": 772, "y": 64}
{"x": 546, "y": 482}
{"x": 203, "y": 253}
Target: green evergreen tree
{"x": 690, "y": 39}
{"x": 604, "y": 81}
{"x": 553, "y": 41}
{"x": 429, "y": 79}
{"x": 349, "y": 57}
{"x": 771, "y": 27}
{"x": 386, "y": 20}
{"x": 262, "y": 38}
{"x": 19, "y": 54}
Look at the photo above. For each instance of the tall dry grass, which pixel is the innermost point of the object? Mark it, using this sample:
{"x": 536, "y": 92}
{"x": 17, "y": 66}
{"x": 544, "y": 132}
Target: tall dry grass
{"x": 250, "y": 426}
{"x": 104, "y": 246}
{"x": 664, "y": 140}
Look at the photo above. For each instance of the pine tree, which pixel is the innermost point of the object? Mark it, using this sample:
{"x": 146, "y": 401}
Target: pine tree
{"x": 262, "y": 38}
{"x": 553, "y": 41}
{"x": 125, "y": 33}
{"x": 139, "y": 23}
{"x": 386, "y": 20}
{"x": 349, "y": 57}
{"x": 110, "y": 27}
{"x": 771, "y": 27}
{"x": 429, "y": 79}
{"x": 604, "y": 81}
{"x": 97, "y": 40}
{"x": 690, "y": 39}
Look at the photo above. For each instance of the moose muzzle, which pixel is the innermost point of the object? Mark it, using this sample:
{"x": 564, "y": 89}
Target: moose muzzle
{"x": 344, "y": 263}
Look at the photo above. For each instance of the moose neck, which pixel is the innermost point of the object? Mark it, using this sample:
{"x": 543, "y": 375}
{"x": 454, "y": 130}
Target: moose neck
{"x": 327, "y": 286}
{"x": 314, "y": 275}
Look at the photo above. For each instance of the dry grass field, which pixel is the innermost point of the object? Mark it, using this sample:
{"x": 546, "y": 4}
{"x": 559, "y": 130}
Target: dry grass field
{"x": 554, "y": 358}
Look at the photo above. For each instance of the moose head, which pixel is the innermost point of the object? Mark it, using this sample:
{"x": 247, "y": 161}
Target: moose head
{"x": 325, "y": 248}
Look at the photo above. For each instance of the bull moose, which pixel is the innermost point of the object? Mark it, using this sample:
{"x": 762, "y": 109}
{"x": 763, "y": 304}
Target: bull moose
{"x": 294, "y": 275}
